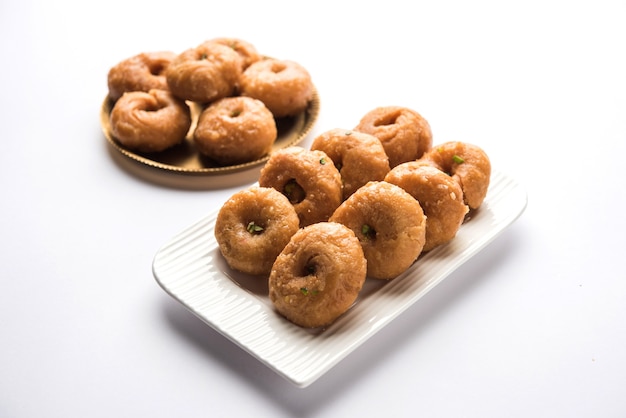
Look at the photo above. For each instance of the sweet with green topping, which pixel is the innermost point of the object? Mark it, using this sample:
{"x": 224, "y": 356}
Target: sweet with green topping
{"x": 253, "y": 228}
{"x": 368, "y": 231}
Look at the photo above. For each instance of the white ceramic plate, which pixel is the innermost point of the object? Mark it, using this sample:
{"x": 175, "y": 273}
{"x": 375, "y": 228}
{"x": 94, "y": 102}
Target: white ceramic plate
{"x": 191, "y": 269}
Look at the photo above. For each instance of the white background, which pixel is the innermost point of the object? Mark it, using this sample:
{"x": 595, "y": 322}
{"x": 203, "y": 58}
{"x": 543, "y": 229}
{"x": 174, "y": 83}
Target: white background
{"x": 533, "y": 326}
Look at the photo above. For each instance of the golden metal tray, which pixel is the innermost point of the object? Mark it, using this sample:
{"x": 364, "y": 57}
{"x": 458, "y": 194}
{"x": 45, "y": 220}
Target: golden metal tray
{"x": 184, "y": 159}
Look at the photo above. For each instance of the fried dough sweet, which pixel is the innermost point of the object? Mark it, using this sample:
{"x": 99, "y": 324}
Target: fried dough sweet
{"x": 252, "y": 228}
{"x": 150, "y": 122}
{"x": 404, "y": 133}
{"x": 141, "y": 72}
{"x": 206, "y": 73}
{"x": 389, "y": 223}
{"x": 308, "y": 178}
{"x": 318, "y": 275}
{"x": 440, "y": 197}
{"x": 358, "y": 156}
{"x": 468, "y": 164}
{"x": 245, "y": 49}
{"x": 235, "y": 130}
{"x": 284, "y": 86}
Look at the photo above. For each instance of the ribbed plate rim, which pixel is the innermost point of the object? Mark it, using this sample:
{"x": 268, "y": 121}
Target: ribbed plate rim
{"x": 189, "y": 268}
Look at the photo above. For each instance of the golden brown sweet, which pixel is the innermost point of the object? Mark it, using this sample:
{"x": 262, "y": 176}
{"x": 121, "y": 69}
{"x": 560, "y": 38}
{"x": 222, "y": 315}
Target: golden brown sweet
{"x": 360, "y": 157}
{"x": 318, "y": 275}
{"x": 284, "y": 86}
{"x": 150, "y": 122}
{"x": 390, "y": 225}
{"x": 440, "y": 197}
{"x": 235, "y": 130}
{"x": 468, "y": 164}
{"x": 141, "y": 72}
{"x": 205, "y": 73}
{"x": 253, "y": 227}
{"x": 245, "y": 49}
{"x": 308, "y": 178}
{"x": 404, "y": 133}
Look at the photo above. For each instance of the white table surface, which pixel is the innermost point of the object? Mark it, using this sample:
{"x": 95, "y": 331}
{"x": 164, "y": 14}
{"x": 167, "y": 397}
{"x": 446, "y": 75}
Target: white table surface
{"x": 532, "y": 326}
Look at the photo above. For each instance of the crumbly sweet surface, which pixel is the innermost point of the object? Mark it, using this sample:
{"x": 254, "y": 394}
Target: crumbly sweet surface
{"x": 234, "y": 130}
{"x": 253, "y": 227}
{"x": 404, "y": 133}
{"x": 150, "y": 122}
{"x": 390, "y": 225}
{"x": 245, "y": 49}
{"x": 308, "y": 178}
{"x": 469, "y": 166}
{"x": 318, "y": 275}
{"x": 360, "y": 157}
{"x": 205, "y": 73}
{"x": 142, "y": 72}
{"x": 283, "y": 85}
{"x": 439, "y": 195}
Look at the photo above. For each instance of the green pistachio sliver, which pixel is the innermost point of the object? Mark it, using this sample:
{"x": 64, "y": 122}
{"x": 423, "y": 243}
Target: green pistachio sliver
{"x": 293, "y": 191}
{"x": 253, "y": 228}
{"x": 306, "y": 292}
{"x": 368, "y": 231}
{"x": 457, "y": 159}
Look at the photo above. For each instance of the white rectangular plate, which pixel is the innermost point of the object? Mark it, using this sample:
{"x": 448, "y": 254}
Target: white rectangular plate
{"x": 191, "y": 269}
